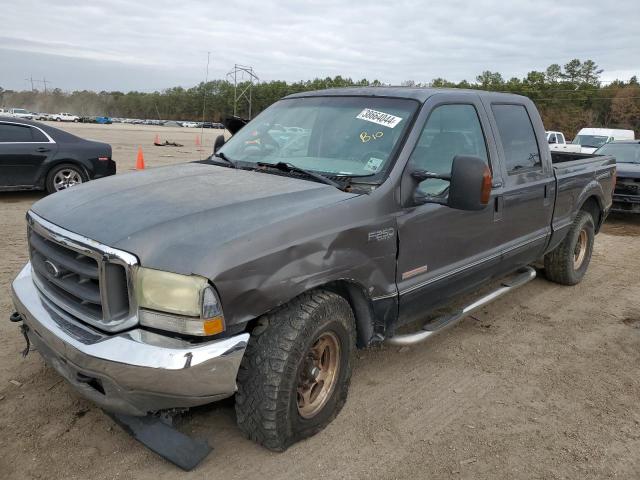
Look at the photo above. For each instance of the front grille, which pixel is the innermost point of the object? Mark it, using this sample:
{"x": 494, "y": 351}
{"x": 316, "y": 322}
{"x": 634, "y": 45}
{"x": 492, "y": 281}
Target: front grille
{"x": 84, "y": 278}
{"x": 628, "y": 186}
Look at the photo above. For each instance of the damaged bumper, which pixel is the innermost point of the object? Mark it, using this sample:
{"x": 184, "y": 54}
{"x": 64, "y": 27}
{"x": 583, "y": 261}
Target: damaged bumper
{"x": 133, "y": 372}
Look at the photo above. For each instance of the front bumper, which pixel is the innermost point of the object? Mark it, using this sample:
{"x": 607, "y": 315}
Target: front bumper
{"x": 133, "y": 372}
{"x": 626, "y": 203}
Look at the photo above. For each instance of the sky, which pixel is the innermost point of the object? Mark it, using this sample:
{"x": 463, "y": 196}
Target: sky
{"x": 150, "y": 45}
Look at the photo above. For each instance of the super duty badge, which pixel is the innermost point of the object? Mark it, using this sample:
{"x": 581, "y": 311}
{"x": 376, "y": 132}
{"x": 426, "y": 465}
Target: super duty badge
{"x": 380, "y": 235}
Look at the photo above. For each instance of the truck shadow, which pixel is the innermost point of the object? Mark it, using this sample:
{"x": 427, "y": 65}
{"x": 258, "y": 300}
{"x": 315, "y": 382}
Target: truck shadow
{"x": 622, "y": 224}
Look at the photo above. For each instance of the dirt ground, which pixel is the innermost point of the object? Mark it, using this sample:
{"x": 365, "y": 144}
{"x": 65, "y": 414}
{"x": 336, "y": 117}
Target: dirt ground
{"x": 542, "y": 384}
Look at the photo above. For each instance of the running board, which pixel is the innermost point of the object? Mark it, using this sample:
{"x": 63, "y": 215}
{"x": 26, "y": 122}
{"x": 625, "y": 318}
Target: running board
{"x": 522, "y": 276}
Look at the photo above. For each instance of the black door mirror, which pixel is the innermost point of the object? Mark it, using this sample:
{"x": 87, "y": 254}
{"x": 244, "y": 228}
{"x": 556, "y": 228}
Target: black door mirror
{"x": 218, "y": 143}
{"x": 469, "y": 184}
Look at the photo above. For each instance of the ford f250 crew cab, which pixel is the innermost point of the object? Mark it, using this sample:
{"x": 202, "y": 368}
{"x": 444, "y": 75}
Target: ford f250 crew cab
{"x": 259, "y": 271}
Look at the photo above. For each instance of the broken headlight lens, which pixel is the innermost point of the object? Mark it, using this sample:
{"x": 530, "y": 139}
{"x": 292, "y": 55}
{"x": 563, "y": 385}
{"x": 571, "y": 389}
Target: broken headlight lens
{"x": 179, "y": 303}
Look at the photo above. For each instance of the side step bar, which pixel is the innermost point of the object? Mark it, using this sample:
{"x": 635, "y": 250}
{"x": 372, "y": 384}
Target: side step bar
{"x": 522, "y": 276}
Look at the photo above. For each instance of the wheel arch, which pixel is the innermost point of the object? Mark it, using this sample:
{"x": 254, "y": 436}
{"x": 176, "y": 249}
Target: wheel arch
{"x": 359, "y": 301}
{"x": 361, "y": 306}
{"x": 592, "y": 204}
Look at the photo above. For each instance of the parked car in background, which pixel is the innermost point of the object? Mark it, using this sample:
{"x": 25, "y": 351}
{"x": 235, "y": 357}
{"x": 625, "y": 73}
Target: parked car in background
{"x": 41, "y": 116}
{"x": 96, "y": 119}
{"x": 190, "y": 124}
{"x": 557, "y": 143}
{"x": 64, "y": 117}
{"x": 590, "y": 139}
{"x": 35, "y": 156}
{"x": 21, "y": 113}
{"x": 626, "y": 197}
{"x": 265, "y": 266}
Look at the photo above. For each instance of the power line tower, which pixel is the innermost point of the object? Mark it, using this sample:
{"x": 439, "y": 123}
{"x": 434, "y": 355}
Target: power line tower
{"x": 44, "y": 81}
{"x": 30, "y": 79}
{"x": 246, "y": 77}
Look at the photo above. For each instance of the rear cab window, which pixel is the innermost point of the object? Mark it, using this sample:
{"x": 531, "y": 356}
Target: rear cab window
{"x": 518, "y": 138}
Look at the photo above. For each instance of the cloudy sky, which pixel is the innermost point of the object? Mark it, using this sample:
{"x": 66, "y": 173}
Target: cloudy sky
{"x": 149, "y": 45}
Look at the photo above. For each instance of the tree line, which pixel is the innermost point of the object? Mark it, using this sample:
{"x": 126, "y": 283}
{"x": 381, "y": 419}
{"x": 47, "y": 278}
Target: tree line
{"x": 569, "y": 97}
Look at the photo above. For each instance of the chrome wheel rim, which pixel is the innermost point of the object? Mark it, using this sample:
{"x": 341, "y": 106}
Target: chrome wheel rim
{"x": 319, "y": 375}
{"x": 580, "y": 250}
{"x": 65, "y": 178}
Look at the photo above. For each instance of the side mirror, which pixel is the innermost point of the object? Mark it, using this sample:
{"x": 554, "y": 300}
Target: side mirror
{"x": 218, "y": 143}
{"x": 470, "y": 184}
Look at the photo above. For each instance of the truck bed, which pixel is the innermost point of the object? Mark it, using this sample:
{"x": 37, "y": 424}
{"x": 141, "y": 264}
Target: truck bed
{"x": 575, "y": 174}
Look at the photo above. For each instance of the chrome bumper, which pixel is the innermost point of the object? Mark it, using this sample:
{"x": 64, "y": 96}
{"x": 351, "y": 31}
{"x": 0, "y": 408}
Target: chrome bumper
{"x": 133, "y": 372}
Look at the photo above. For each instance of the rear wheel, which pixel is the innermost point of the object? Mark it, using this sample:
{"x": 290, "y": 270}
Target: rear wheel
{"x": 568, "y": 262}
{"x": 295, "y": 374}
{"x": 64, "y": 176}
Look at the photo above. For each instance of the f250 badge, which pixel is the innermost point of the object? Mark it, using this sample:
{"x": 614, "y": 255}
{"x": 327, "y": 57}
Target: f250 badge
{"x": 381, "y": 235}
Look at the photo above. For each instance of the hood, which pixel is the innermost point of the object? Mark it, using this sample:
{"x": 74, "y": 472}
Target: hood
{"x": 628, "y": 170}
{"x": 165, "y": 212}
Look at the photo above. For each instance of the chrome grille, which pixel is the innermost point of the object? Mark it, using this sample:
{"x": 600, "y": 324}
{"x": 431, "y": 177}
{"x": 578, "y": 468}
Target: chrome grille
{"x": 85, "y": 278}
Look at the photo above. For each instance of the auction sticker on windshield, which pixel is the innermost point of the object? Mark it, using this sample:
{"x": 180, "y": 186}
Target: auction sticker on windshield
{"x": 381, "y": 118}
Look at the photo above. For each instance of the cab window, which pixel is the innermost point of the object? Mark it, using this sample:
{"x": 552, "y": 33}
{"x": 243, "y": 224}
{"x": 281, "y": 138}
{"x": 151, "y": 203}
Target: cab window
{"x": 451, "y": 130}
{"x": 518, "y": 137}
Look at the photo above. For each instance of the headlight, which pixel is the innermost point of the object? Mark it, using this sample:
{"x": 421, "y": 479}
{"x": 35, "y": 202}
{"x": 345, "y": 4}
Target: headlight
{"x": 179, "y": 303}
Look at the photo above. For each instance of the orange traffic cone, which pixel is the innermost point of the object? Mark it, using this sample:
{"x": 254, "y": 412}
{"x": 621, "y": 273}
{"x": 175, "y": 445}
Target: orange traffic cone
{"x": 140, "y": 160}
{"x": 157, "y": 139}
{"x": 198, "y": 141}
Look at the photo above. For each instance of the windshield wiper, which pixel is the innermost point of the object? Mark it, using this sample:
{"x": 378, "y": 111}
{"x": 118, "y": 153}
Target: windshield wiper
{"x": 289, "y": 167}
{"x": 222, "y": 156}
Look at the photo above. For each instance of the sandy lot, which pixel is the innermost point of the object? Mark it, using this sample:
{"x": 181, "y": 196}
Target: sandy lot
{"x": 541, "y": 384}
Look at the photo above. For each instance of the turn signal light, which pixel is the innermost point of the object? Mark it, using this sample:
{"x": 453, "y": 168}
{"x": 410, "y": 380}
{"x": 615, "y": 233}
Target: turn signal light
{"x": 212, "y": 326}
{"x": 486, "y": 186}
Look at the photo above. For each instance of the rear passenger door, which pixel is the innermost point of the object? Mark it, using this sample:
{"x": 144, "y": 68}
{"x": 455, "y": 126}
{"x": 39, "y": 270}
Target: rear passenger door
{"x": 525, "y": 205}
{"x": 23, "y": 150}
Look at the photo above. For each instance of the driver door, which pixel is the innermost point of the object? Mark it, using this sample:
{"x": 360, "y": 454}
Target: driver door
{"x": 443, "y": 251}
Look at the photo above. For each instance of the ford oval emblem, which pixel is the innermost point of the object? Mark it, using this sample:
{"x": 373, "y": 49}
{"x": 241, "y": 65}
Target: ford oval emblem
{"x": 52, "y": 268}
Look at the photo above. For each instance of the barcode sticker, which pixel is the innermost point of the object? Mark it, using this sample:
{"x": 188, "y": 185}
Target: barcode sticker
{"x": 381, "y": 118}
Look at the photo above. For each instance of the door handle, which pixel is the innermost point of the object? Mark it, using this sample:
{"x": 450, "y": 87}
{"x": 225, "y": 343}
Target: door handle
{"x": 498, "y": 207}
{"x": 43, "y": 149}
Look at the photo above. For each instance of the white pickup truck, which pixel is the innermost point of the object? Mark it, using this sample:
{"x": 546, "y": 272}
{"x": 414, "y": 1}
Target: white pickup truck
{"x": 19, "y": 113}
{"x": 64, "y": 117}
{"x": 558, "y": 143}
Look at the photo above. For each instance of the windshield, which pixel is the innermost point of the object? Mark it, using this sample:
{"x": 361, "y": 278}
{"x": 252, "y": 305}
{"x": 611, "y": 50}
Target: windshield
{"x": 348, "y": 136}
{"x": 590, "y": 140}
{"x": 19, "y": 110}
{"x": 624, "y": 153}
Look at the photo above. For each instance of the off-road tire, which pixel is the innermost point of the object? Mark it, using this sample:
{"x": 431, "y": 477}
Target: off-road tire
{"x": 559, "y": 263}
{"x": 266, "y": 401}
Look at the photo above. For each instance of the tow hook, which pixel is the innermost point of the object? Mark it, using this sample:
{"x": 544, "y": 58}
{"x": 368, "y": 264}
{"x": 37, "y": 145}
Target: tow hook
{"x": 15, "y": 318}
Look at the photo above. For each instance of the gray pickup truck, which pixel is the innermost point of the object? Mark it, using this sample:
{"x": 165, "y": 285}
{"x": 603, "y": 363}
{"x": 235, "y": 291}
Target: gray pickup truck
{"x": 330, "y": 221}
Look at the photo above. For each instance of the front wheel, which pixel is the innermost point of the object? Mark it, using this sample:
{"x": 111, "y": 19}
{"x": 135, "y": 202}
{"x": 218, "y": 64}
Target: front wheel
{"x": 568, "y": 262}
{"x": 294, "y": 377}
